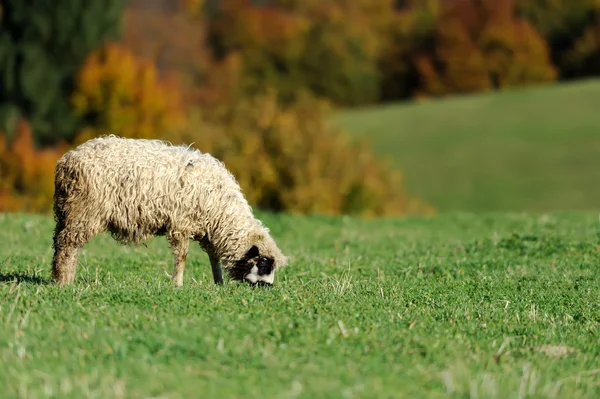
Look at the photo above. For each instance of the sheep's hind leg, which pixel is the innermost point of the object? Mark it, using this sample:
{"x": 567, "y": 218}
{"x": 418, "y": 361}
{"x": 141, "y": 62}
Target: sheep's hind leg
{"x": 64, "y": 263}
{"x": 180, "y": 247}
{"x": 216, "y": 269}
{"x": 67, "y": 241}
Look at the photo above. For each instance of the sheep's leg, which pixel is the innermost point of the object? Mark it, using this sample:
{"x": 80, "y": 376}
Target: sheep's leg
{"x": 216, "y": 269}
{"x": 180, "y": 248}
{"x": 215, "y": 265}
{"x": 64, "y": 263}
{"x": 67, "y": 241}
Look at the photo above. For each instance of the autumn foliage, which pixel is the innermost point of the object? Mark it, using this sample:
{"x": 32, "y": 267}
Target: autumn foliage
{"x": 251, "y": 82}
{"x": 26, "y": 173}
{"x": 483, "y": 45}
{"x": 287, "y": 158}
{"x": 117, "y": 92}
{"x": 568, "y": 28}
{"x": 327, "y": 48}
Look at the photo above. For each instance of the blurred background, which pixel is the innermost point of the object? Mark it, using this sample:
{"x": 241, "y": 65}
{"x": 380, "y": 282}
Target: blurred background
{"x": 364, "y": 107}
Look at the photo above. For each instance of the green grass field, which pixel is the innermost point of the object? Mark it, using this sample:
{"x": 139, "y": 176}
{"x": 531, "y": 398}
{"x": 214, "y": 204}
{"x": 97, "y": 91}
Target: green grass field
{"x": 531, "y": 149}
{"x": 487, "y": 306}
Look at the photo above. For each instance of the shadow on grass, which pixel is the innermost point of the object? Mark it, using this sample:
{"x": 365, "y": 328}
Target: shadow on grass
{"x": 22, "y": 278}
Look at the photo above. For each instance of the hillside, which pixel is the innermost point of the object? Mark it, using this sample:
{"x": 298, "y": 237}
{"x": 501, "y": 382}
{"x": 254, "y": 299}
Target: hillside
{"x": 531, "y": 149}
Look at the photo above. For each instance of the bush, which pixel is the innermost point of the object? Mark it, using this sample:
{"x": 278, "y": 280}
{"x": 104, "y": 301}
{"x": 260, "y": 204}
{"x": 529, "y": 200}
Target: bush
{"x": 288, "y": 159}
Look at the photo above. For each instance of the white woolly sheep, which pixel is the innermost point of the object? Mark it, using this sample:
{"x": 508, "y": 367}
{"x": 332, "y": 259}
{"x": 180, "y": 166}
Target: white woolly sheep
{"x": 136, "y": 189}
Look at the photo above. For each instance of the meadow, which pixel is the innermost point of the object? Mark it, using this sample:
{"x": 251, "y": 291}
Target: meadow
{"x": 495, "y": 305}
{"x": 527, "y": 149}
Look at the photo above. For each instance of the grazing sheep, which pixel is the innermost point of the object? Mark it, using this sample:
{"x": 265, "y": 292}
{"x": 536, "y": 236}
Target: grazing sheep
{"x": 136, "y": 189}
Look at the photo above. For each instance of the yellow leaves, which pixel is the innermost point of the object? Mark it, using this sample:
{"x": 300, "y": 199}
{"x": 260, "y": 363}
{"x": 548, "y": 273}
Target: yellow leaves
{"x": 516, "y": 54}
{"x": 287, "y": 158}
{"x": 123, "y": 95}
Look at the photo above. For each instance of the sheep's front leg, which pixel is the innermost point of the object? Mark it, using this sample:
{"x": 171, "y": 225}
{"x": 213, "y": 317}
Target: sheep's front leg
{"x": 216, "y": 269}
{"x": 180, "y": 247}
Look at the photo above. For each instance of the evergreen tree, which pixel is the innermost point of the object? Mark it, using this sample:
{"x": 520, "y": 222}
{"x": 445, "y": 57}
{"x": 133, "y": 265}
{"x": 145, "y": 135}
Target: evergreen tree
{"x": 43, "y": 43}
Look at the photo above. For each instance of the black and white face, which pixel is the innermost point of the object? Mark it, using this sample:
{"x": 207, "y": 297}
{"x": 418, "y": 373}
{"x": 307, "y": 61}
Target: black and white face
{"x": 254, "y": 268}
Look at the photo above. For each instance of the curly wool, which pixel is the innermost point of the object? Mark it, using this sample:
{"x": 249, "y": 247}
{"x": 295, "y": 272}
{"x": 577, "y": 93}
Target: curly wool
{"x": 136, "y": 189}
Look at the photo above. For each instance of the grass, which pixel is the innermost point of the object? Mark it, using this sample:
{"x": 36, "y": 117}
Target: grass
{"x": 488, "y": 306}
{"x": 531, "y": 149}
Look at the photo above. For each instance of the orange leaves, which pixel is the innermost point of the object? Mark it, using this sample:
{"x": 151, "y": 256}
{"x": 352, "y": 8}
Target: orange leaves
{"x": 118, "y": 93}
{"x": 480, "y": 45}
{"x": 26, "y": 174}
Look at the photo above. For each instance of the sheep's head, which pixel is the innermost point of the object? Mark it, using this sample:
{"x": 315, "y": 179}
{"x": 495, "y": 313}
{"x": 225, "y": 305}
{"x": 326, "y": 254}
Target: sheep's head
{"x": 255, "y": 268}
{"x": 258, "y": 264}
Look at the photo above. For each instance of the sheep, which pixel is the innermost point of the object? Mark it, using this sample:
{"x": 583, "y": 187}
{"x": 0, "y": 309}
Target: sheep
{"x": 138, "y": 188}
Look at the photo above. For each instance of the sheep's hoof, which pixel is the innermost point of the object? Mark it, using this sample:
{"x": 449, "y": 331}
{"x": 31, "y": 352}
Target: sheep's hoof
{"x": 177, "y": 283}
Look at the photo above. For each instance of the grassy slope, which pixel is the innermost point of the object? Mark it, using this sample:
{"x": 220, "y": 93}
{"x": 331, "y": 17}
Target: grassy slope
{"x": 535, "y": 150}
{"x": 411, "y": 308}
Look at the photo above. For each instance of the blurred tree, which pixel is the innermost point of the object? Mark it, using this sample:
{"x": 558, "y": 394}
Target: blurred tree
{"x": 373, "y": 17}
{"x": 568, "y": 26}
{"x": 172, "y": 35}
{"x": 340, "y": 59}
{"x": 42, "y": 46}
{"x": 584, "y": 58}
{"x": 480, "y": 45}
{"x": 267, "y": 40}
{"x": 118, "y": 93}
{"x": 329, "y": 49}
{"x": 409, "y": 34}
{"x": 515, "y": 53}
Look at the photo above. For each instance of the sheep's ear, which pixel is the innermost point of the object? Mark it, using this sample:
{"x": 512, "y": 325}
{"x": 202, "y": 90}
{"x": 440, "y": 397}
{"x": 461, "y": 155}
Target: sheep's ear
{"x": 252, "y": 252}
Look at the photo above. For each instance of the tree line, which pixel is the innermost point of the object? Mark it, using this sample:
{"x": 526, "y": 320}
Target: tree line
{"x": 72, "y": 70}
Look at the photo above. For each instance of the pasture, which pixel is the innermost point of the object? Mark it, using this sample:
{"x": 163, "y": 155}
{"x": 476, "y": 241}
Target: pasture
{"x": 532, "y": 149}
{"x": 498, "y": 305}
